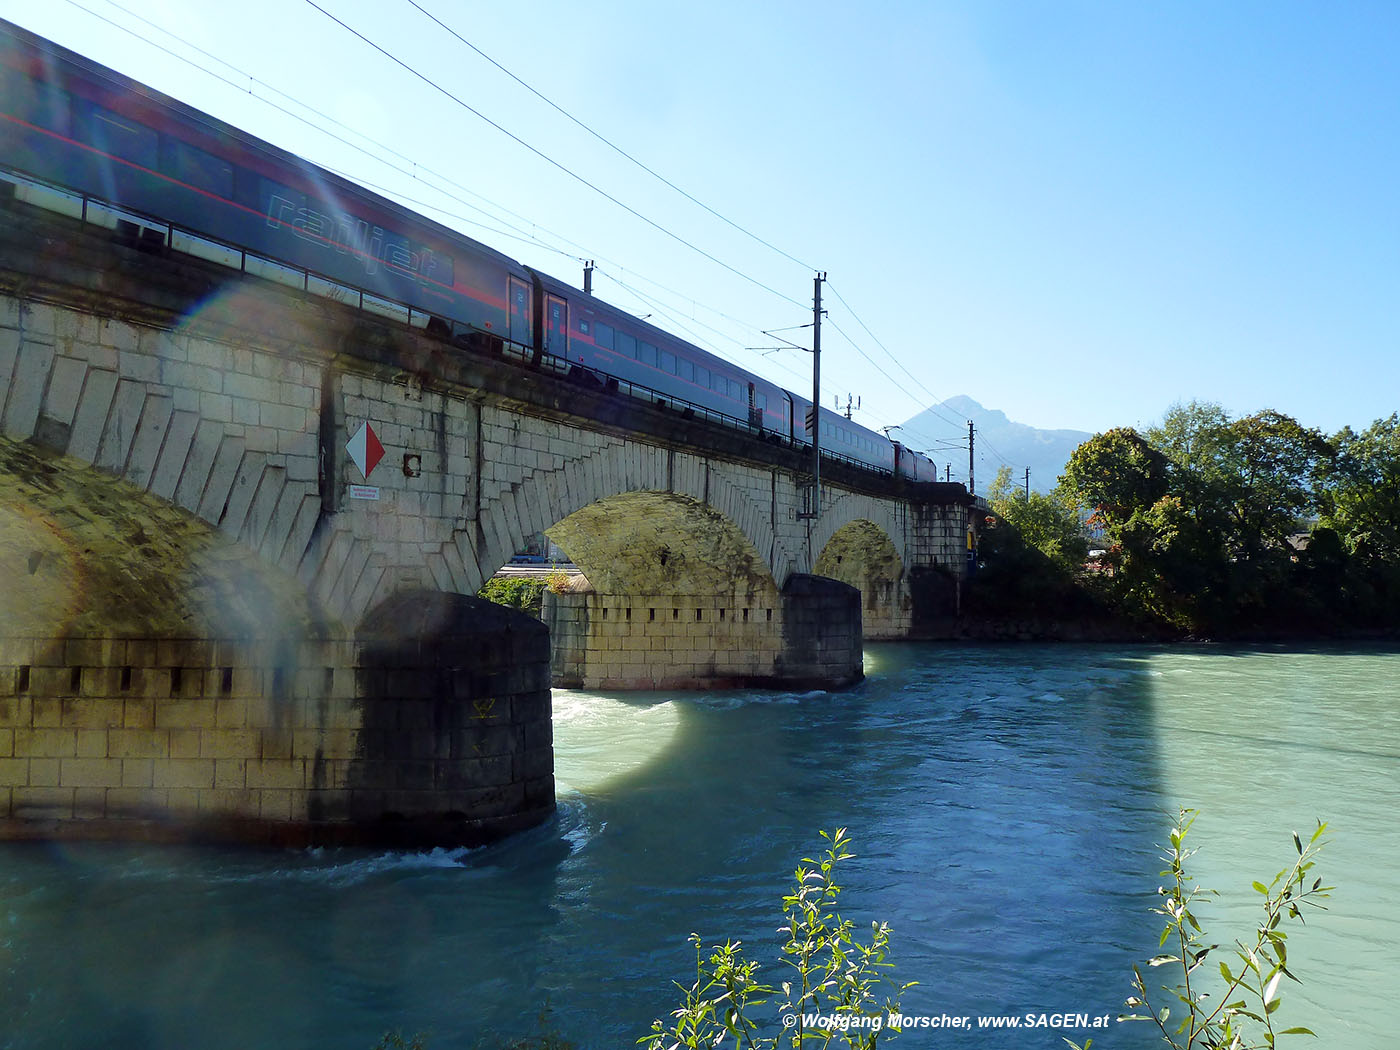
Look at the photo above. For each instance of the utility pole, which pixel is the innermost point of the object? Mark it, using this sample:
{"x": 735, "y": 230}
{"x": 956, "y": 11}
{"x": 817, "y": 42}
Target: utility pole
{"x": 1028, "y": 484}
{"x": 588, "y": 277}
{"x": 816, "y": 393}
{"x": 971, "y": 483}
{"x": 948, "y": 472}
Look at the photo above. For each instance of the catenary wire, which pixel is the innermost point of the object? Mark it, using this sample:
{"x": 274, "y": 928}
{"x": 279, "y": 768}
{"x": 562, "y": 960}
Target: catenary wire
{"x": 606, "y": 141}
{"x": 937, "y": 401}
{"x": 519, "y": 234}
{"x": 416, "y": 172}
{"x": 548, "y": 159}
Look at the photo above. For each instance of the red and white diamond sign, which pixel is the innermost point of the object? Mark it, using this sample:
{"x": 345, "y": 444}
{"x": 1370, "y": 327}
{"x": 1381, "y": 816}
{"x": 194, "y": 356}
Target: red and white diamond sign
{"x": 365, "y": 449}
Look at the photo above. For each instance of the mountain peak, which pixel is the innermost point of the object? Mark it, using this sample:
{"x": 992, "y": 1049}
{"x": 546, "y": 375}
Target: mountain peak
{"x": 940, "y": 428}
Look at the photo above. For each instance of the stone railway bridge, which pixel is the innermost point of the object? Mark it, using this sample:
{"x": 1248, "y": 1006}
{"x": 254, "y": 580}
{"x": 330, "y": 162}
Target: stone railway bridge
{"x": 385, "y": 703}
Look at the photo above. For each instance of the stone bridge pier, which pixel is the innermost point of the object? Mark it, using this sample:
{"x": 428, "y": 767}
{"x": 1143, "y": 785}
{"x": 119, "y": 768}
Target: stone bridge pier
{"x": 680, "y": 599}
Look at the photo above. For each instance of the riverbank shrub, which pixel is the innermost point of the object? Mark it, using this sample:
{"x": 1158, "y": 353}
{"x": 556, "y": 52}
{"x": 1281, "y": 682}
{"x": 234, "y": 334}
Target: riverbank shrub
{"x": 1238, "y": 1011}
{"x": 515, "y": 592}
{"x": 834, "y": 977}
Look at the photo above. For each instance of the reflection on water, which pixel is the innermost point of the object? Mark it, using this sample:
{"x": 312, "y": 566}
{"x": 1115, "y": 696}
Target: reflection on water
{"x": 1004, "y": 802}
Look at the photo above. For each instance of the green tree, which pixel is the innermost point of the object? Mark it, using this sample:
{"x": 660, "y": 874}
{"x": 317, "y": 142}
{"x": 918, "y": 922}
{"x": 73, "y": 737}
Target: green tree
{"x": 1200, "y": 515}
{"x": 1253, "y": 479}
{"x": 1118, "y": 474}
{"x": 1030, "y": 554}
{"x": 1125, "y": 480}
{"x": 1360, "y": 491}
{"x": 1274, "y": 463}
{"x": 1048, "y": 522}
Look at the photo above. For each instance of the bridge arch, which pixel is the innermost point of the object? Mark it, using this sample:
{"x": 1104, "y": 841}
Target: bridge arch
{"x": 544, "y": 499}
{"x": 866, "y": 542}
{"x": 861, "y": 553}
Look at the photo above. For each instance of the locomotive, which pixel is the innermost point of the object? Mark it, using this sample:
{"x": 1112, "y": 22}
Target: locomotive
{"x": 79, "y": 138}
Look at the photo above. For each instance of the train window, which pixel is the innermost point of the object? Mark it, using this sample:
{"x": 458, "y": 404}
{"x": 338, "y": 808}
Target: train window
{"x": 603, "y": 335}
{"x": 718, "y": 383}
{"x": 194, "y": 167}
{"x": 646, "y": 354}
{"x": 702, "y": 376}
{"x": 687, "y": 371}
{"x": 761, "y": 400}
{"x": 736, "y": 391}
{"x": 668, "y": 362}
{"x": 624, "y": 344}
{"x": 124, "y": 138}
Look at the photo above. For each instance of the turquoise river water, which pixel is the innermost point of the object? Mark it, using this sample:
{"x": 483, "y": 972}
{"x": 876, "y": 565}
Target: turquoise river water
{"x": 1005, "y": 803}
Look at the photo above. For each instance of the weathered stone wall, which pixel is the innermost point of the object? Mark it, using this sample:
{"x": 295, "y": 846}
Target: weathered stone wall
{"x": 151, "y": 738}
{"x": 608, "y": 641}
{"x": 862, "y": 555}
{"x": 821, "y": 633}
{"x": 322, "y": 742}
{"x": 240, "y": 412}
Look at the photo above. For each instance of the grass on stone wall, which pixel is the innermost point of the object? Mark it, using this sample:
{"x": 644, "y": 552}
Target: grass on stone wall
{"x": 515, "y": 592}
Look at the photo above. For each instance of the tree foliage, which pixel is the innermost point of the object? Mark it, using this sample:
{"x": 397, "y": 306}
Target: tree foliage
{"x": 1219, "y": 526}
{"x": 1031, "y": 552}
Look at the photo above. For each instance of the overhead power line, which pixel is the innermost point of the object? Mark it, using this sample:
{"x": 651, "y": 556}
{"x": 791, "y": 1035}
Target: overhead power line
{"x": 548, "y": 159}
{"x": 414, "y": 169}
{"x": 936, "y": 405}
{"x": 606, "y": 141}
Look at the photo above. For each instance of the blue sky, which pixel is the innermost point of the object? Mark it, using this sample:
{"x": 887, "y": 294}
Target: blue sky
{"x": 1075, "y": 212}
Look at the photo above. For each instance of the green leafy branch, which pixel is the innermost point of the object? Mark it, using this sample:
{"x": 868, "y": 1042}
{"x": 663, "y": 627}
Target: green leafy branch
{"x": 834, "y": 975}
{"x": 1252, "y": 987}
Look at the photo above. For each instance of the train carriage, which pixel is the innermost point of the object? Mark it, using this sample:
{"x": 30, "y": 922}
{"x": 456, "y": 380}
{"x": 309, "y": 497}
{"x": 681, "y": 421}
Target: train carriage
{"x": 83, "y": 139}
{"x": 74, "y": 124}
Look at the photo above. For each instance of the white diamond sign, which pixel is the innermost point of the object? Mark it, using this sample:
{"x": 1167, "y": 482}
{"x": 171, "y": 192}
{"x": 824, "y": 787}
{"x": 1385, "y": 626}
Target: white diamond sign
{"x": 365, "y": 449}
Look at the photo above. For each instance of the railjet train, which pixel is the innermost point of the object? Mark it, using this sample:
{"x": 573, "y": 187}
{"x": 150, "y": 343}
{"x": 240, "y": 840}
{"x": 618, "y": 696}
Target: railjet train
{"x": 79, "y": 138}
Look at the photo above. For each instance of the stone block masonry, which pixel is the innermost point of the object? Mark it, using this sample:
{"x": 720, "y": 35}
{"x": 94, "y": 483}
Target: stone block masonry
{"x": 663, "y": 641}
{"x": 353, "y": 741}
{"x": 233, "y": 399}
{"x": 807, "y": 636}
{"x": 239, "y": 410}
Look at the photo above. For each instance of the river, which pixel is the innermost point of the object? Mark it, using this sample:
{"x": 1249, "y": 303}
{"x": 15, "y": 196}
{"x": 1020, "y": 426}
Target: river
{"x": 1004, "y": 803}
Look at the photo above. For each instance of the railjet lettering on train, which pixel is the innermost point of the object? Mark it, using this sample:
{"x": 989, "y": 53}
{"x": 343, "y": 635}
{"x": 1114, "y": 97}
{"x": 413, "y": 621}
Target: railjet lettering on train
{"x": 345, "y": 233}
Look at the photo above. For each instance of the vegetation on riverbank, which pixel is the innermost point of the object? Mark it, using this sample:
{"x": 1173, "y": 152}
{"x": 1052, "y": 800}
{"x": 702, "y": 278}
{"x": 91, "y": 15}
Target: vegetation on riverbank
{"x": 839, "y": 989}
{"x": 1207, "y": 526}
{"x": 525, "y": 593}
{"x": 1241, "y": 1015}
